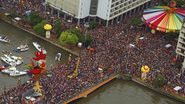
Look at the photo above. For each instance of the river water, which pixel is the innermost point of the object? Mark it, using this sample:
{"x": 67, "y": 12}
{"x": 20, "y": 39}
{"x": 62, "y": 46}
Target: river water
{"x": 18, "y": 37}
{"x": 125, "y": 92}
{"x": 115, "y": 92}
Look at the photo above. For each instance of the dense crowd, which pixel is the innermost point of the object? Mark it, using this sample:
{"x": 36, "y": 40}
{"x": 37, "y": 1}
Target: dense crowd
{"x": 120, "y": 48}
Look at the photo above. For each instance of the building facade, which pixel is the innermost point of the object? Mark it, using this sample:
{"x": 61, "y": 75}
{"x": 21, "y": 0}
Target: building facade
{"x": 104, "y": 10}
{"x": 180, "y": 49}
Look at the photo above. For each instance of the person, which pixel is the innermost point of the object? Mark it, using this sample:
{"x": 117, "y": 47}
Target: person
{"x": 58, "y": 57}
{"x": 69, "y": 59}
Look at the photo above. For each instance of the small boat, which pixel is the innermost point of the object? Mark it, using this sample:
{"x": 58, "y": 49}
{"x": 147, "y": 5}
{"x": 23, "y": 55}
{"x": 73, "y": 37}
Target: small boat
{"x": 9, "y": 70}
{"x": 39, "y": 48}
{"x": 17, "y": 73}
{"x": 4, "y": 39}
{"x": 22, "y": 48}
{"x": 6, "y": 52}
{"x": 12, "y": 71}
{"x": 2, "y": 67}
{"x": 12, "y": 60}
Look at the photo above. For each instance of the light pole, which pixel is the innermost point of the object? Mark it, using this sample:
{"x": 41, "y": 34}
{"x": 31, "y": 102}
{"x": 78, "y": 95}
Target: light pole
{"x": 129, "y": 47}
{"x": 86, "y": 25}
{"x": 28, "y": 14}
{"x": 2, "y": 4}
{"x": 75, "y": 72}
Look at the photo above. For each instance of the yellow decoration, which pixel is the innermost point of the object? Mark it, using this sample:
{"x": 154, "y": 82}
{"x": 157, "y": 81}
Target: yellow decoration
{"x": 47, "y": 27}
{"x": 153, "y": 31}
{"x": 37, "y": 87}
{"x": 145, "y": 69}
{"x": 77, "y": 65}
{"x": 75, "y": 73}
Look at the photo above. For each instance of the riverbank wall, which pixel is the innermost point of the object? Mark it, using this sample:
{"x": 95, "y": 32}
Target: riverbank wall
{"x": 173, "y": 96}
{"x": 90, "y": 90}
{"x": 125, "y": 77}
{"x": 160, "y": 91}
{"x": 15, "y": 23}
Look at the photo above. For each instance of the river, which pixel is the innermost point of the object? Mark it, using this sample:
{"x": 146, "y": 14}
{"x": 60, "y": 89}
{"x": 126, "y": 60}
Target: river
{"x": 17, "y": 37}
{"x": 115, "y": 92}
{"x": 125, "y": 92}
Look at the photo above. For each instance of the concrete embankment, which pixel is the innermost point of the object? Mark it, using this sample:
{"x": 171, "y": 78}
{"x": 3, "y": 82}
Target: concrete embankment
{"x": 175, "y": 97}
{"x": 14, "y": 23}
{"x": 90, "y": 90}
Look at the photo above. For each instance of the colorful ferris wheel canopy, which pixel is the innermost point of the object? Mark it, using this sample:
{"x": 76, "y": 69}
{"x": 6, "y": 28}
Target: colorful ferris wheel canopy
{"x": 164, "y": 18}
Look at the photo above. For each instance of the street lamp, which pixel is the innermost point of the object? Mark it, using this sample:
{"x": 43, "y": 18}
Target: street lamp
{"x": 28, "y": 14}
{"x": 75, "y": 72}
{"x": 80, "y": 46}
{"x": 86, "y": 25}
{"x": 129, "y": 47}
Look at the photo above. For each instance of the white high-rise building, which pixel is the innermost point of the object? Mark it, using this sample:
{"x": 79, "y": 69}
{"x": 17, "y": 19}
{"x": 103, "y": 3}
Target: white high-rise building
{"x": 180, "y": 49}
{"x": 104, "y": 10}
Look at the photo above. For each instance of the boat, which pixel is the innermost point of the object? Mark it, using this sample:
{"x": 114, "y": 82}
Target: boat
{"x": 12, "y": 71}
{"x": 39, "y": 48}
{"x": 22, "y": 48}
{"x": 2, "y": 67}
{"x": 17, "y": 73}
{"x": 4, "y": 39}
{"x": 9, "y": 70}
{"x": 11, "y": 60}
{"x": 6, "y": 52}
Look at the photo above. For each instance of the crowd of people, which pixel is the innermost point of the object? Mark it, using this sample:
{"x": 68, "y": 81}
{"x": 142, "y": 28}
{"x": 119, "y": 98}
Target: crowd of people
{"x": 120, "y": 48}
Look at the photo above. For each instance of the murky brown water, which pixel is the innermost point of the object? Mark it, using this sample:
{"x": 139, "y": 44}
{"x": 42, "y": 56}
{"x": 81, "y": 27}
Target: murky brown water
{"x": 125, "y": 92}
{"x": 18, "y": 37}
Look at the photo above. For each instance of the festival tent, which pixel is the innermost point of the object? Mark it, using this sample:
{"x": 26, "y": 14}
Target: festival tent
{"x": 164, "y": 18}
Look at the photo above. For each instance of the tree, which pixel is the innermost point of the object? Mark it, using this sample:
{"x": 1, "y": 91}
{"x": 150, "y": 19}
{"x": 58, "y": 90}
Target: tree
{"x": 72, "y": 39}
{"x": 171, "y": 36}
{"x": 39, "y": 28}
{"x": 57, "y": 27}
{"x": 68, "y": 38}
{"x": 136, "y": 21}
{"x": 159, "y": 81}
{"x": 34, "y": 18}
{"x": 164, "y": 2}
{"x": 13, "y": 13}
{"x": 179, "y": 3}
{"x": 77, "y": 33}
{"x": 92, "y": 25}
{"x": 74, "y": 31}
{"x": 87, "y": 40}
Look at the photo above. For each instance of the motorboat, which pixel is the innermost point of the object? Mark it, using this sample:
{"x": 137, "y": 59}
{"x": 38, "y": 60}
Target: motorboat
{"x": 4, "y": 39}
{"x": 39, "y": 48}
{"x": 17, "y": 73}
{"x": 12, "y": 71}
{"x": 9, "y": 70}
{"x": 11, "y": 60}
{"x": 22, "y": 48}
{"x": 2, "y": 67}
{"x": 6, "y": 52}
{"x": 8, "y": 61}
